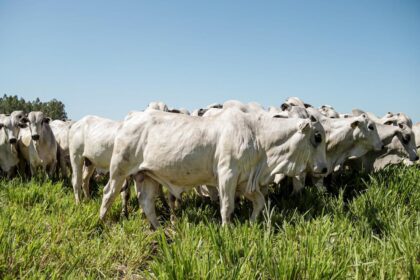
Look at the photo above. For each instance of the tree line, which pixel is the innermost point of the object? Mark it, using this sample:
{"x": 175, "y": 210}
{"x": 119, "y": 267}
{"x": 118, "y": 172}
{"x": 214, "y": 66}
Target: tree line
{"x": 54, "y": 108}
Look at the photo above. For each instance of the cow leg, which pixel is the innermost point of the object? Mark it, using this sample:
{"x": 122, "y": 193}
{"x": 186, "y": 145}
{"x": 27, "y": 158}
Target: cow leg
{"x": 63, "y": 165}
{"x": 227, "y": 189}
{"x": 125, "y": 196}
{"x": 51, "y": 169}
{"x": 298, "y": 183}
{"x": 76, "y": 180}
{"x": 88, "y": 170}
{"x": 147, "y": 190}
{"x": 111, "y": 191}
{"x": 258, "y": 202}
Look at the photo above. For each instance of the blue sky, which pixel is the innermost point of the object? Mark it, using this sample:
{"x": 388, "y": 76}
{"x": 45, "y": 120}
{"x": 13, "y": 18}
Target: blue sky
{"x": 109, "y": 57}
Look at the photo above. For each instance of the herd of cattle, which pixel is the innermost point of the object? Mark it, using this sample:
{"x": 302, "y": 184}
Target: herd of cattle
{"x": 222, "y": 151}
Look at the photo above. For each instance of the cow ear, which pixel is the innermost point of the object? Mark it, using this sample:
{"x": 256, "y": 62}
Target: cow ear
{"x": 279, "y": 117}
{"x": 354, "y": 124}
{"x": 1, "y": 125}
{"x": 24, "y": 120}
{"x": 46, "y": 120}
{"x": 388, "y": 123}
{"x": 307, "y": 105}
{"x": 313, "y": 119}
{"x": 22, "y": 125}
{"x": 285, "y": 107}
{"x": 303, "y": 125}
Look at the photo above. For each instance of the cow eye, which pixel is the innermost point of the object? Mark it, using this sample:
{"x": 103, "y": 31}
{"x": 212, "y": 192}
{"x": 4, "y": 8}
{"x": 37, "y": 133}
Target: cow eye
{"x": 371, "y": 127}
{"x": 318, "y": 138}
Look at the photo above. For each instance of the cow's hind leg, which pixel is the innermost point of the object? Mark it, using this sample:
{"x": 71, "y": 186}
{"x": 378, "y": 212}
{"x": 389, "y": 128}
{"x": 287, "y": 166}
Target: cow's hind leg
{"x": 147, "y": 190}
{"x": 125, "y": 196}
{"x": 88, "y": 170}
{"x": 258, "y": 201}
{"x": 227, "y": 189}
{"x": 76, "y": 180}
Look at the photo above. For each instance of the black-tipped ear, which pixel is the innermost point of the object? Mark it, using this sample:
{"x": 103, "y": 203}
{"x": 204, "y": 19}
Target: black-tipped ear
{"x": 201, "y": 112}
{"x": 176, "y": 111}
{"x": 1, "y": 125}
{"x": 354, "y": 124}
{"x": 22, "y": 125}
{"x": 313, "y": 119}
{"x": 307, "y": 105}
{"x": 279, "y": 117}
{"x": 46, "y": 120}
{"x": 285, "y": 107}
{"x": 24, "y": 120}
{"x": 388, "y": 123}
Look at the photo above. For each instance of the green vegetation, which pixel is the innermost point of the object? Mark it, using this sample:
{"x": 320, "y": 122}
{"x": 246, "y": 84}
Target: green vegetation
{"x": 368, "y": 229}
{"x": 54, "y": 109}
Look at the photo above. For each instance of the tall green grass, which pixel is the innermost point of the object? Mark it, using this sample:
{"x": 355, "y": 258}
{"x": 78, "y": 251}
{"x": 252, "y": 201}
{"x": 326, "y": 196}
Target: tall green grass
{"x": 365, "y": 228}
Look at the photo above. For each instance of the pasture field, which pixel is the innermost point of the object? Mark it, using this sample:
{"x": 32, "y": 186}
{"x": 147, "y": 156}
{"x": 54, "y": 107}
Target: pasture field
{"x": 366, "y": 228}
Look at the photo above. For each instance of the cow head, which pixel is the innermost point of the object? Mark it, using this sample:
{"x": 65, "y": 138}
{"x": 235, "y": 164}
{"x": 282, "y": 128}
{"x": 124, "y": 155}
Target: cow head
{"x": 405, "y": 143}
{"x": 12, "y": 124}
{"x": 365, "y": 131}
{"x": 329, "y": 112}
{"x": 37, "y": 122}
{"x": 311, "y": 145}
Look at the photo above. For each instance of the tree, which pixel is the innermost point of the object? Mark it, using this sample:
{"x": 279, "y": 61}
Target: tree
{"x": 54, "y": 109}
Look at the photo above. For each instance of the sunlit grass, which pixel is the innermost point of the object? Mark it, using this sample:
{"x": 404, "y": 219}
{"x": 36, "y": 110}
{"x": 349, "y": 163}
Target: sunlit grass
{"x": 367, "y": 228}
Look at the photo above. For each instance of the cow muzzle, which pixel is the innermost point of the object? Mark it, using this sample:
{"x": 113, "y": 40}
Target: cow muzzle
{"x": 35, "y": 137}
{"x": 12, "y": 141}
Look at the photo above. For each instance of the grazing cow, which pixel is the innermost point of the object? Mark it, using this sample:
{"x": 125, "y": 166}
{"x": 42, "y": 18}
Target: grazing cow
{"x": 235, "y": 151}
{"x": 37, "y": 144}
{"x": 9, "y": 133}
{"x": 61, "y": 132}
{"x": 346, "y": 138}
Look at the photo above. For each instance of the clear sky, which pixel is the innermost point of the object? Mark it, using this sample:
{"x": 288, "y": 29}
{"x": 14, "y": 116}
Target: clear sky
{"x": 109, "y": 57}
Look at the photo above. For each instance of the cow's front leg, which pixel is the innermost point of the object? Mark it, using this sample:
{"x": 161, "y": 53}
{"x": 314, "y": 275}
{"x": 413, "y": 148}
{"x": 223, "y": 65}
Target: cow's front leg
{"x": 298, "y": 183}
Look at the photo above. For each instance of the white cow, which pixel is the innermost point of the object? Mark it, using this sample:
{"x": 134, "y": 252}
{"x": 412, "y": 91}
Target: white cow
{"x": 416, "y": 130}
{"x": 91, "y": 141}
{"x": 9, "y": 133}
{"x": 399, "y": 141}
{"x": 37, "y": 144}
{"x": 235, "y": 151}
{"x": 329, "y": 112}
{"x": 160, "y": 106}
{"x": 346, "y": 138}
{"x": 61, "y": 132}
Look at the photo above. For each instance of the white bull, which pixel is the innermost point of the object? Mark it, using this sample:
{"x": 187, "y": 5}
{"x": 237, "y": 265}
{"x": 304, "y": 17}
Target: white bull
{"x": 91, "y": 141}
{"x": 37, "y": 144}
{"x": 346, "y": 138}
{"x": 235, "y": 151}
{"x": 9, "y": 133}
